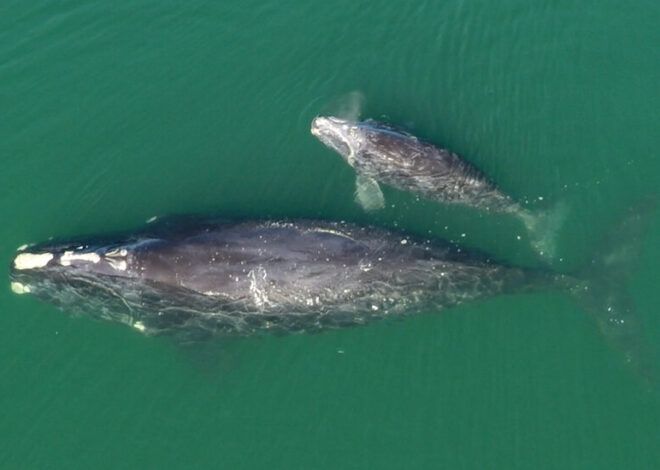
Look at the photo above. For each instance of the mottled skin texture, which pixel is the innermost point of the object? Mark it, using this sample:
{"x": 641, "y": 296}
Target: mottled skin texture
{"x": 250, "y": 276}
{"x": 401, "y": 160}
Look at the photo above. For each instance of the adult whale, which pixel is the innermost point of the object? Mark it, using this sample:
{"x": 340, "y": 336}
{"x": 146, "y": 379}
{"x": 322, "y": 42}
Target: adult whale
{"x": 380, "y": 152}
{"x": 243, "y": 277}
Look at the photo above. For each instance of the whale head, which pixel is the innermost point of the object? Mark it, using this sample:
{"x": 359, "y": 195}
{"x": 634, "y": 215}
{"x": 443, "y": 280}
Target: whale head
{"x": 77, "y": 277}
{"x": 372, "y": 148}
{"x": 340, "y": 135}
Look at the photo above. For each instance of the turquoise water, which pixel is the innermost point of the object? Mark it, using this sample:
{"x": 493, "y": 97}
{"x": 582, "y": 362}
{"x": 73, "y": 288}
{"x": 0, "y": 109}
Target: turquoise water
{"x": 112, "y": 112}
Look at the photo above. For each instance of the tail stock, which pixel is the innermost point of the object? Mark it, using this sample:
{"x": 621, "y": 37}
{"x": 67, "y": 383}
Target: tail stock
{"x": 543, "y": 227}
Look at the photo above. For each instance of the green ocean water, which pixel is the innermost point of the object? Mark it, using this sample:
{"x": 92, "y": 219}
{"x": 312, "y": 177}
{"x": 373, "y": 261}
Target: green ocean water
{"x": 113, "y": 112}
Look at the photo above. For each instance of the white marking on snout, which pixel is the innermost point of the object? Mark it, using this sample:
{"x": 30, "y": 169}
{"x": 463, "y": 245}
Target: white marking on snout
{"x": 116, "y": 253}
{"x": 113, "y": 259}
{"x": 118, "y": 265}
{"x": 19, "y": 288}
{"x": 69, "y": 256}
{"x": 338, "y": 128}
{"x": 138, "y": 325}
{"x": 32, "y": 260}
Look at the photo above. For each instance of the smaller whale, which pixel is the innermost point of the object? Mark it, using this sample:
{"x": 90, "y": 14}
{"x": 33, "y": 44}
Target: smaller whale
{"x": 382, "y": 153}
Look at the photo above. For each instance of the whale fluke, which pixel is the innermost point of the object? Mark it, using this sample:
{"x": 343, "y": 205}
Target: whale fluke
{"x": 603, "y": 292}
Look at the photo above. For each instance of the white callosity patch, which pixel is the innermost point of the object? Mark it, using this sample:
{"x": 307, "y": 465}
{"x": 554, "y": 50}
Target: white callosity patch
{"x": 118, "y": 265}
{"x": 19, "y": 288}
{"x": 114, "y": 258}
{"x": 69, "y": 256}
{"x": 138, "y": 325}
{"x": 337, "y": 128}
{"x": 32, "y": 260}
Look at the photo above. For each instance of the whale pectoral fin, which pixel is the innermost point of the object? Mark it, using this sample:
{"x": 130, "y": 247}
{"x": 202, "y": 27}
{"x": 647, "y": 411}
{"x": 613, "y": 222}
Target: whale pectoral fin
{"x": 368, "y": 193}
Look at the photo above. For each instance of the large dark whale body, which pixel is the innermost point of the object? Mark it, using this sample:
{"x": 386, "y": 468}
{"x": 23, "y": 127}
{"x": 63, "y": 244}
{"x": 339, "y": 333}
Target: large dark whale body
{"x": 238, "y": 278}
{"x": 242, "y": 277}
{"x": 381, "y": 153}
{"x": 212, "y": 277}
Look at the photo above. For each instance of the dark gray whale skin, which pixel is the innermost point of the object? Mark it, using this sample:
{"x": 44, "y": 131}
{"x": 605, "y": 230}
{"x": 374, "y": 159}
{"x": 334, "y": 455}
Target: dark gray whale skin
{"x": 246, "y": 277}
{"x": 194, "y": 278}
{"x": 401, "y": 160}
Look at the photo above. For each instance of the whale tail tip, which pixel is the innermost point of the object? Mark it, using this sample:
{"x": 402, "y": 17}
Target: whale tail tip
{"x": 601, "y": 289}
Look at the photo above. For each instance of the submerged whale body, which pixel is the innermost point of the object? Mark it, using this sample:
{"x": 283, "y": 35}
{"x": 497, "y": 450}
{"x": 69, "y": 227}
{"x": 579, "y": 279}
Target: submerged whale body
{"x": 382, "y": 153}
{"x": 249, "y": 276}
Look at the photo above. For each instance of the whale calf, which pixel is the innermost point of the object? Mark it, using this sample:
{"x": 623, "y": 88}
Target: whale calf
{"x": 380, "y": 152}
{"x": 214, "y": 277}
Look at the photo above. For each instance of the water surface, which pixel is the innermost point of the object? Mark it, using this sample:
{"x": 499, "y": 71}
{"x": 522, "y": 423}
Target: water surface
{"x": 113, "y": 112}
